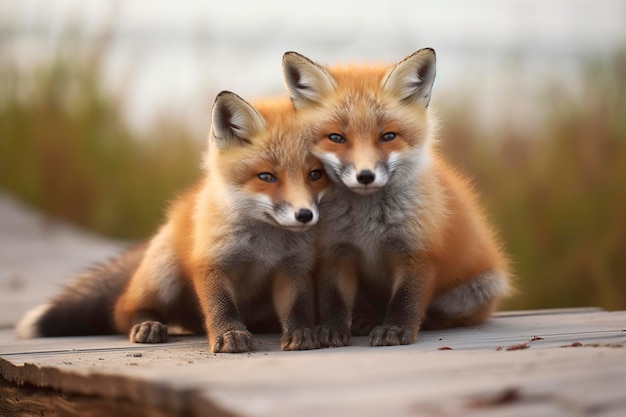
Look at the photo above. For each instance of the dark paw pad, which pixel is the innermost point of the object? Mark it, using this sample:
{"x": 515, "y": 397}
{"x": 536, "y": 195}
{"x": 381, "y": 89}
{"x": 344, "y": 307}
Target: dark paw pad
{"x": 299, "y": 339}
{"x": 332, "y": 336}
{"x": 386, "y": 335}
{"x": 149, "y": 332}
{"x": 233, "y": 341}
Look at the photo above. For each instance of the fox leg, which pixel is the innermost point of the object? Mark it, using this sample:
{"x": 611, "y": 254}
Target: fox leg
{"x": 226, "y": 332}
{"x": 139, "y": 313}
{"x": 363, "y": 318}
{"x": 406, "y": 307}
{"x": 468, "y": 304}
{"x": 366, "y": 313}
{"x": 154, "y": 287}
{"x": 148, "y": 327}
{"x": 295, "y": 305}
{"x": 337, "y": 285}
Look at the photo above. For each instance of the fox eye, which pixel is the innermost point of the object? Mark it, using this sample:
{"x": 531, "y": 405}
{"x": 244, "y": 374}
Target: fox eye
{"x": 315, "y": 175}
{"x": 266, "y": 177}
{"x": 388, "y": 137}
{"x": 337, "y": 138}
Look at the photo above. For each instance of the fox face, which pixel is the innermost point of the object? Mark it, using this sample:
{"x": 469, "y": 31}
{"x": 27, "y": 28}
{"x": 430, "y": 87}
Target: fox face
{"x": 263, "y": 160}
{"x": 371, "y": 122}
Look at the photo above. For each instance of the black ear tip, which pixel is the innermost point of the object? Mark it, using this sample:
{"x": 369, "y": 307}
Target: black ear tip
{"x": 224, "y": 93}
{"x": 290, "y": 55}
{"x": 427, "y": 51}
{"x": 296, "y": 57}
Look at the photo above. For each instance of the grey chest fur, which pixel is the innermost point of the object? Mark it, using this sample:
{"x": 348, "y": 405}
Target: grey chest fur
{"x": 255, "y": 249}
{"x": 373, "y": 224}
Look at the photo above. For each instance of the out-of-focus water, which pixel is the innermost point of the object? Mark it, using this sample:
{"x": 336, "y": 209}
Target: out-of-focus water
{"x": 180, "y": 53}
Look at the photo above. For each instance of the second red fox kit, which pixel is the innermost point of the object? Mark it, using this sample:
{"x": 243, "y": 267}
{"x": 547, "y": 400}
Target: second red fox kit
{"x": 237, "y": 249}
{"x": 403, "y": 243}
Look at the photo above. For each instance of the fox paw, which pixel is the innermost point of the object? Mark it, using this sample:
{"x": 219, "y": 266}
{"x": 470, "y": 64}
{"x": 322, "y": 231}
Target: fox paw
{"x": 233, "y": 341}
{"x": 331, "y": 336}
{"x": 149, "y": 332}
{"x": 299, "y": 339}
{"x": 386, "y": 335}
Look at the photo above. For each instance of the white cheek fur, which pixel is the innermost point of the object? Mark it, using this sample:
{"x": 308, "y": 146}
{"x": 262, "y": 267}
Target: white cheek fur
{"x": 328, "y": 158}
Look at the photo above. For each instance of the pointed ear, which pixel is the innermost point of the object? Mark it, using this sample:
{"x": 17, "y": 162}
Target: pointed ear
{"x": 413, "y": 77}
{"x": 307, "y": 82}
{"x": 234, "y": 122}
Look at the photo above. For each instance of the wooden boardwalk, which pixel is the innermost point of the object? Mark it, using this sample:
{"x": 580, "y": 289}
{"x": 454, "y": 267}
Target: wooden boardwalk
{"x": 562, "y": 362}
{"x": 108, "y": 376}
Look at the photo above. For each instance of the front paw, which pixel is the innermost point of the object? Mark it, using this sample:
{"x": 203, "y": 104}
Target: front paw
{"x": 232, "y": 341}
{"x": 388, "y": 335}
{"x": 299, "y": 339}
{"x": 333, "y": 336}
{"x": 149, "y": 332}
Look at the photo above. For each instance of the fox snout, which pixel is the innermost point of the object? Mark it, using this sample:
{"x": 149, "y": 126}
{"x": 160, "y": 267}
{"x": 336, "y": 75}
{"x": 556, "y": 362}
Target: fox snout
{"x": 296, "y": 218}
{"x": 366, "y": 177}
{"x": 366, "y": 180}
{"x": 304, "y": 216}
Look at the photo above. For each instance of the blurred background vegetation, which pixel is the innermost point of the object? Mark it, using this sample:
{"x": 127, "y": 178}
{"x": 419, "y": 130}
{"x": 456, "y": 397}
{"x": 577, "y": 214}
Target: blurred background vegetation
{"x": 555, "y": 190}
{"x": 68, "y": 149}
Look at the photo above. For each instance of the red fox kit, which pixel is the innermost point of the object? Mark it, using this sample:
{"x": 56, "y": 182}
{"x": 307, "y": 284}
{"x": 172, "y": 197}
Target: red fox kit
{"x": 402, "y": 240}
{"x": 236, "y": 251}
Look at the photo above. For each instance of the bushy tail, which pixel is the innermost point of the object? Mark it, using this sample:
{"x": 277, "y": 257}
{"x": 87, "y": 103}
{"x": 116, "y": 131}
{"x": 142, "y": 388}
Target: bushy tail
{"x": 85, "y": 307}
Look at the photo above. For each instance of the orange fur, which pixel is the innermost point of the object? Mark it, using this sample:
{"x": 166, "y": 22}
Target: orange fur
{"x": 443, "y": 250}
{"x": 232, "y": 240}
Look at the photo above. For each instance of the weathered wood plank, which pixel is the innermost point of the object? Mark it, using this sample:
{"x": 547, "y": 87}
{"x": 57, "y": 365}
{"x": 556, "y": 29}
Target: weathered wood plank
{"x": 595, "y": 326}
{"x": 472, "y": 379}
{"x": 29, "y": 401}
{"x": 85, "y": 374}
{"x": 370, "y": 383}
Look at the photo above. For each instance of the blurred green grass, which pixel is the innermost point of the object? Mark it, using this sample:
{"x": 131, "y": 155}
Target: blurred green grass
{"x": 556, "y": 194}
{"x": 67, "y": 148}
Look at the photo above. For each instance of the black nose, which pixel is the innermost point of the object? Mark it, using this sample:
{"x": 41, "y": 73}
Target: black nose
{"x": 304, "y": 215}
{"x": 365, "y": 177}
